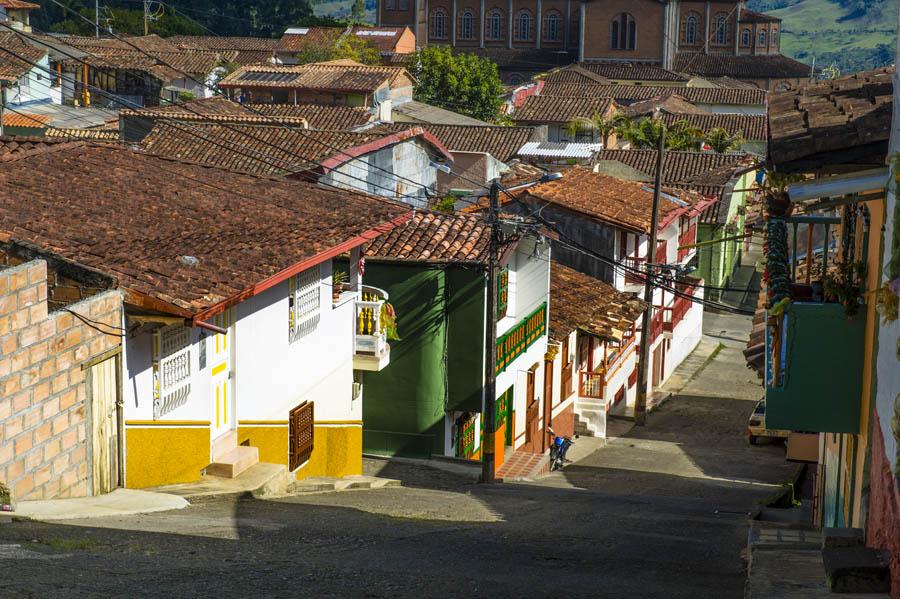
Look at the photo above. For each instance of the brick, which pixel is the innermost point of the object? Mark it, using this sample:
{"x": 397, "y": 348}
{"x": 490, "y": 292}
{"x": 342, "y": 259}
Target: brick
{"x": 43, "y": 433}
{"x": 10, "y": 386}
{"x": 40, "y": 393}
{"x": 28, "y": 378}
{"x": 8, "y": 304}
{"x": 5, "y": 325}
{"x": 70, "y": 440}
{"x": 81, "y": 353}
{"x": 6, "y": 454}
{"x": 68, "y": 479}
{"x": 60, "y": 463}
{"x": 60, "y": 423}
{"x": 4, "y": 283}
{"x": 18, "y": 320}
{"x": 18, "y": 280}
{"x": 13, "y": 427}
{"x": 73, "y": 337}
{"x": 38, "y": 353}
{"x": 42, "y": 291}
{"x": 46, "y": 328}
{"x": 42, "y": 476}
{"x": 27, "y": 297}
{"x": 15, "y": 469}
{"x": 20, "y": 360}
{"x": 21, "y": 402}
{"x": 9, "y": 344}
{"x": 23, "y": 443}
{"x": 37, "y": 273}
{"x": 59, "y": 383}
{"x": 33, "y": 459}
{"x": 64, "y": 360}
{"x": 64, "y": 321}
{"x": 28, "y": 336}
{"x": 31, "y": 419}
{"x": 48, "y": 369}
{"x": 68, "y": 399}
{"x": 24, "y": 486}
{"x": 5, "y": 409}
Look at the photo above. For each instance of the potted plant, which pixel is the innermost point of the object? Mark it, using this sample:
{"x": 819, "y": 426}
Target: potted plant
{"x": 843, "y": 286}
{"x": 338, "y": 280}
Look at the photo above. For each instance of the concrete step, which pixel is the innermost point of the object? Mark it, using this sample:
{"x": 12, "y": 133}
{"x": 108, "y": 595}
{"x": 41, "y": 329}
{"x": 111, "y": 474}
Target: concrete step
{"x": 320, "y": 484}
{"x": 583, "y": 404}
{"x": 261, "y": 480}
{"x": 857, "y": 569}
{"x": 233, "y": 463}
{"x": 224, "y": 445}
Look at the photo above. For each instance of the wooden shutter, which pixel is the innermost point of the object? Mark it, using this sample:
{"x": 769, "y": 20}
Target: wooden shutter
{"x": 301, "y": 434}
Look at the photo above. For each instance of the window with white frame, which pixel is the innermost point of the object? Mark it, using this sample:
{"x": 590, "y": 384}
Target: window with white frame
{"x": 303, "y": 303}
{"x": 171, "y": 368}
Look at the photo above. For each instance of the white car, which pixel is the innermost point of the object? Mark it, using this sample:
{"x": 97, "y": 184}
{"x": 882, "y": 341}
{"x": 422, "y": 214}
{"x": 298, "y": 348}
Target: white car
{"x": 757, "y": 426}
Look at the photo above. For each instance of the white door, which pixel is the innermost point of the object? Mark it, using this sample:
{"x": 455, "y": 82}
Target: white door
{"x": 221, "y": 348}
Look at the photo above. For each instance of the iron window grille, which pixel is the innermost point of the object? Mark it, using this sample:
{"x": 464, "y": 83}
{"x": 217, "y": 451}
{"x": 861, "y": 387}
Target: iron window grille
{"x": 171, "y": 368}
{"x": 303, "y": 303}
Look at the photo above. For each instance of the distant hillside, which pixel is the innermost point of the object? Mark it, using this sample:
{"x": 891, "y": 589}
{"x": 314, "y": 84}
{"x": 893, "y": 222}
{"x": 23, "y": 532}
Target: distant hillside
{"x": 853, "y": 35}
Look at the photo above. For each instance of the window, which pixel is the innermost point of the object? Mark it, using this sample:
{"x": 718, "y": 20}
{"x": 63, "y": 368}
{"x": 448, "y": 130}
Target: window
{"x": 566, "y": 383}
{"x": 467, "y": 25}
{"x": 494, "y": 27}
{"x": 745, "y": 38}
{"x": 171, "y": 368}
{"x": 502, "y": 292}
{"x": 403, "y": 5}
{"x": 303, "y": 303}
{"x": 390, "y": 4}
{"x": 439, "y": 24}
{"x": 720, "y": 36}
{"x": 623, "y": 32}
{"x": 775, "y": 38}
{"x": 300, "y": 435}
{"x": 691, "y": 27}
{"x": 523, "y": 25}
{"x": 552, "y": 27}
{"x": 761, "y": 39}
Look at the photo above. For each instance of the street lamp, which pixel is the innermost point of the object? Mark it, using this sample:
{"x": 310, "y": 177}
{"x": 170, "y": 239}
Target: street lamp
{"x": 490, "y": 337}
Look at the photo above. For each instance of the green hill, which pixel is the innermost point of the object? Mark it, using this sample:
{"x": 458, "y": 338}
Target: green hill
{"x": 853, "y": 35}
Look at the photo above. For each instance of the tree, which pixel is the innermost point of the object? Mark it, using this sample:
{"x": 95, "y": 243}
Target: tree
{"x": 346, "y": 47}
{"x": 463, "y": 83}
{"x": 358, "y": 12}
{"x": 604, "y": 126}
{"x": 719, "y": 140}
{"x": 644, "y": 134}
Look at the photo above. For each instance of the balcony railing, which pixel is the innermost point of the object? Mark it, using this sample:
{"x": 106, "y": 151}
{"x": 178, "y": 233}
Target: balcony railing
{"x": 371, "y": 350}
{"x": 689, "y": 237}
{"x": 591, "y": 385}
{"x": 634, "y": 263}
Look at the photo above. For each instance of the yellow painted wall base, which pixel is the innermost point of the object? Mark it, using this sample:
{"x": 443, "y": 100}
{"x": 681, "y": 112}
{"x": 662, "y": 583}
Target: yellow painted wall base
{"x": 337, "y": 449}
{"x": 157, "y": 455}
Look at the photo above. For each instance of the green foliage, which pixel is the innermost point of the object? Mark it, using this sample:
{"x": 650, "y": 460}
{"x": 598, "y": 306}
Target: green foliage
{"x": 348, "y": 46}
{"x": 645, "y": 133}
{"x": 389, "y": 322}
{"x": 721, "y": 141}
{"x": 604, "y": 126}
{"x": 125, "y": 20}
{"x": 463, "y": 83}
{"x": 186, "y": 96}
{"x": 358, "y": 12}
{"x": 445, "y": 204}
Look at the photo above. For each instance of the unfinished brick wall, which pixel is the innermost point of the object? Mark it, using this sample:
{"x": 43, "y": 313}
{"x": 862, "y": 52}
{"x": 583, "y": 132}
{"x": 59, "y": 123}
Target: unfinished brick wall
{"x": 44, "y": 431}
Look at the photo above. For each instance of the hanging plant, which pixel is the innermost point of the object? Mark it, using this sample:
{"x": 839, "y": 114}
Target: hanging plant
{"x": 389, "y": 322}
{"x": 843, "y": 286}
{"x": 887, "y": 303}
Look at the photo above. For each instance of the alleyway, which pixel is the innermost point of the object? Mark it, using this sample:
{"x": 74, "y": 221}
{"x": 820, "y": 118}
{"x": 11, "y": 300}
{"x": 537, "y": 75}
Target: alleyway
{"x": 659, "y": 512}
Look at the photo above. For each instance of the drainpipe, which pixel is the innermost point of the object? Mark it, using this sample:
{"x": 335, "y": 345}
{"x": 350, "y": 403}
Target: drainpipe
{"x": 581, "y": 20}
{"x": 481, "y": 27}
{"x": 706, "y": 35}
{"x": 509, "y": 28}
{"x": 538, "y": 26}
{"x": 2, "y": 104}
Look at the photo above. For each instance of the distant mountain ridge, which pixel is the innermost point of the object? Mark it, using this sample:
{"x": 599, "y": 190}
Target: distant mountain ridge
{"x": 852, "y": 35}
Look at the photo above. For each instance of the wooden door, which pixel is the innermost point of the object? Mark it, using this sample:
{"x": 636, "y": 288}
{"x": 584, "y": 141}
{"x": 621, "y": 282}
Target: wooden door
{"x": 657, "y": 363}
{"x": 531, "y": 415}
{"x": 548, "y": 404}
{"x": 220, "y": 351}
{"x": 104, "y": 388}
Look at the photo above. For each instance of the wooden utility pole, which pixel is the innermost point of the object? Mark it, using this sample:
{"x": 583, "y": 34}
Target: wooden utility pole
{"x": 97, "y": 18}
{"x": 146, "y": 17}
{"x": 640, "y": 403}
{"x": 490, "y": 341}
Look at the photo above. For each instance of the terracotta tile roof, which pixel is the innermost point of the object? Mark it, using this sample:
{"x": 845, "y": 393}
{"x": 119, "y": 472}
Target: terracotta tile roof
{"x": 378, "y": 36}
{"x": 502, "y": 143}
{"x": 267, "y": 150}
{"x": 100, "y": 134}
{"x": 751, "y": 16}
{"x": 210, "y": 42}
{"x": 680, "y": 167}
{"x": 626, "y": 204}
{"x": 146, "y": 214}
{"x": 632, "y": 71}
{"x": 526, "y": 59}
{"x": 15, "y": 146}
{"x": 12, "y": 67}
{"x": 744, "y": 66}
{"x": 18, "y": 5}
{"x": 312, "y": 36}
{"x": 752, "y": 127}
{"x": 318, "y": 116}
{"x": 573, "y": 74}
{"x": 580, "y": 302}
{"x": 671, "y": 103}
{"x": 24, "y": 119}
{"x": 344, "y": 76}
{"x": 829, "y": 118}
{"x": 627, "y": 94}
{"x": 559, "y": 109}
{"x": 435, "y": 237}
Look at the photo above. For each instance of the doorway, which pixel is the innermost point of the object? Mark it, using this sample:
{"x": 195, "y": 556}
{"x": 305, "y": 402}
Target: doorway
{"x": 222, "y": 389}
{"x": 548, "y": 404}
{"x": 106, "y": 449}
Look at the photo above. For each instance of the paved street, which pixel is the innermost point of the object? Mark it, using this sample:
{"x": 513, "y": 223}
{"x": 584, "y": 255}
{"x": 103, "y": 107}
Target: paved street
{"x": 659, "y": 512}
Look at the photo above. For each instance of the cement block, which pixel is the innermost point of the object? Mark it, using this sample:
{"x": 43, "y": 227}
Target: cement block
{"x": 843, "y": 537}
{"x": 857, "y": 569}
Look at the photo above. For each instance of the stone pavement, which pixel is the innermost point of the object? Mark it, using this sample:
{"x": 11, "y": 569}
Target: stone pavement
{"x": 121, "y": 502}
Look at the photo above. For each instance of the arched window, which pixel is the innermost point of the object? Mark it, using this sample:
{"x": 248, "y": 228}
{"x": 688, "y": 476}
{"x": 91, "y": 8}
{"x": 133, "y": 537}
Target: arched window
{"x": 720, "y": 36}
{"x": 775, "y": 39}
{"x": 494, "y": 25}
{"x": 467, "y": 25}
{"x": 523, "y": 23}
{"x": 439, "y": 24}
{"x": 761, "y": 39}
{"x": 691, "y": 27}
{"x": 745, "y": 38}
{"x": 622, "y": 32}
{"x": 783, "y": 87}
{"x": 552, "y": 27}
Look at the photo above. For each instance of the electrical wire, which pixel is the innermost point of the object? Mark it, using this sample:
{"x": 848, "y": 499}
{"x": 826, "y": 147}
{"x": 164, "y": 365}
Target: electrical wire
{"x": 95, "y": 324}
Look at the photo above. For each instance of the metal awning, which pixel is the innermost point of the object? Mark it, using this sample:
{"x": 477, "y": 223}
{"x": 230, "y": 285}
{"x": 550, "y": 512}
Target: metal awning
{"x": 875, "y": 180}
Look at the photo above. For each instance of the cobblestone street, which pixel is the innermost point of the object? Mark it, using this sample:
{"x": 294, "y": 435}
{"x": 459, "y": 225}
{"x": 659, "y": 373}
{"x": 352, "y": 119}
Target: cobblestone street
{"x": 659, "y": 512}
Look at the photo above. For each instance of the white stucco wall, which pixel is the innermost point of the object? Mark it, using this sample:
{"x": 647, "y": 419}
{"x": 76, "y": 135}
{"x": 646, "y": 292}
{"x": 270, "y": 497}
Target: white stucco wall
{"x": 34, "y": 87}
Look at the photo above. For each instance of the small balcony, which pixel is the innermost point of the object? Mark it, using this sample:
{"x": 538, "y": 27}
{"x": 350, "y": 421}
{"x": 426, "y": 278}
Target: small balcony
{"x": 371, "y": 350}
{"x": 687, "y": 238}
{"x": 591, "y": 385}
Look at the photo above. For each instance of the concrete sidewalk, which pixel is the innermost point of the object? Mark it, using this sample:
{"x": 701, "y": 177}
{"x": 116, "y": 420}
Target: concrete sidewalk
{"x": 121, "y": 502}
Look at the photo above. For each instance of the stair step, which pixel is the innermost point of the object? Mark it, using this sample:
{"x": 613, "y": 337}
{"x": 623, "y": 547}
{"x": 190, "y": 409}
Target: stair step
{"x": 857, "y": 569}
{"x": 224, "y": 445}
{"x": 234, "y": 462}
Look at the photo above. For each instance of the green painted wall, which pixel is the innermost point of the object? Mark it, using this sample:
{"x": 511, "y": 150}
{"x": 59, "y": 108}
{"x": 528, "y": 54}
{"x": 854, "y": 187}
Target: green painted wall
{"x": 823, "y": 361}
{"x": 437, "y": 365}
